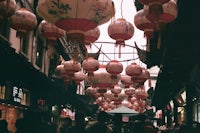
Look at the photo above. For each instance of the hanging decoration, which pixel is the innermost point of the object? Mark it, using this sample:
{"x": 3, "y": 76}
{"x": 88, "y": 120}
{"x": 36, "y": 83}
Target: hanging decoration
{"x": 120, "y": 30}
{"x": 168, "y": 15}
{"x": 91, "y": 36}
{"x": 102, "y": 80}
{"x": 7, "y": 8}
{"x": 50, "y": 32}
{"x": 76, "y": 17}
{"x": 142, "y": 23}
{"x": 155, "y": 8}
{"x": 23, "y": 21}
{"x": 114, "y": 67}
{"x": 90, "y": 65}
{"x": 133, "y": 70}
{"x": 126, "y": 81}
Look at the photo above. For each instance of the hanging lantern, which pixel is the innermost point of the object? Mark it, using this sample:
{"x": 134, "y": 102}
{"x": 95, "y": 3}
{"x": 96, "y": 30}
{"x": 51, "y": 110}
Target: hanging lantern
{"x": 143, "y": 76}
{"x": 71, "y": 67}
{"x": 91, "y": 36}
{"x": 62, "y": 74}
{"x": 23, "y": 21}
{"x": 170, "y": 12}
{"x": 155, "y": 8}
{"x": 50, "y": 32}
{"x": 120, "y": 30}
{"x": 91, "y": 91}
{"x": 142, "y": 23}
{"x": 102, "y": 79}
{"x": 76, "y": 16}
{"x": 78, "y": 77}
{"x": 133, "y": 70}
{"x": 109, "y": 95}
{"x": 141, "y": 93}
{"x": 130, "y": 92}
{"x": 126, "y": 81}
{"x": 90, "y": 65}
{"x": 7, "y": 8}
{"x": 116, "y": 90}
{"x": 114, "y": 67}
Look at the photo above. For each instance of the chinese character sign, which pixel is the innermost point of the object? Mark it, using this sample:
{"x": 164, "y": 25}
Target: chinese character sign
{"x": 17, "y": 94}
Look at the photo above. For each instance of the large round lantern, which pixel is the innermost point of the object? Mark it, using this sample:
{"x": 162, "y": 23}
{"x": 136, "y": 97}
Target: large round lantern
{"x": 116, "y": 90}
{"x": 155, "y": 8}
{"x": 50, "y": 32}
{"x": 133, "y": 70}
{"x": 91, "y": 36}
{"x": 130, "y": 92}
{"x": 120, "y": 30}
{"x": 91, "y": 91}
{"x": 76, "y": 16}
{"x": 102, "y": 79}
{"x": 7, "y": 8}
{"x": 60, "y": 70}
{"x": 114, "y": 67}
{"x": 169, "y": 13}
{"x": 23, "y": 21}
{"x": 143, "y": 76}
{"x": 71, "y": 67}
{"x": 142, "y": 23}
{"x": 126, "y": 81}
{"x": 141, "y": 93}
{"x": 90, "y": 65}
{"x": 78, "y": 77}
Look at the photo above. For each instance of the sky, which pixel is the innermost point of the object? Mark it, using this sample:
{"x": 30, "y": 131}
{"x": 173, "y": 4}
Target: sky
{"x": 124, "y": 9}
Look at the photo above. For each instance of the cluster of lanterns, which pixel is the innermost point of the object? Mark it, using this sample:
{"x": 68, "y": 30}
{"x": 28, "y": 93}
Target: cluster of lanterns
{"x": 79, "y": 21}
{"x": 107, "y": 85}
{"x": 153, "y": 16}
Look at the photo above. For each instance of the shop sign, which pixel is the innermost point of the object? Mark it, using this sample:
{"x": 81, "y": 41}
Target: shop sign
{"x": 17, "y": 94}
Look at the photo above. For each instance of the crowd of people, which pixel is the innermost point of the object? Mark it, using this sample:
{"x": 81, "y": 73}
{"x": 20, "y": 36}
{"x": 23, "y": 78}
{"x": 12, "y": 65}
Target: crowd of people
{"x": 103, "y": 124}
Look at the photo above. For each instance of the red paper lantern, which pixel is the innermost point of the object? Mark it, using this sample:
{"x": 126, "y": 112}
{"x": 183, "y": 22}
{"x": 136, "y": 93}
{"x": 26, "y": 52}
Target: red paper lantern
{"x": 90, "y": 65}
{"x": 126, "y": 81}
{"x": 150, "y": 2}
{"x": 116, "y": 90}
{"x": 142, "y": 23}
{"x": 23, "y": 21}
{"x": 71, "y": 67}
{"x": 7, "y": 8}
{"x": 133, "y": 70}
{"x": 78, "y": 77}
{"x": 50, "y": 31}
{"x": 91, "y": 36}
{"x": 102, "y": 78}
{"x": 76, "y": 17}
{"x": 120, "y": 30}
{"x": 155, "y": 8}
{"x": 170, "y": 12}
{"x": 143, "y": 76}
{"x": 114, "y": 67}
{"x": 130, "y": 92}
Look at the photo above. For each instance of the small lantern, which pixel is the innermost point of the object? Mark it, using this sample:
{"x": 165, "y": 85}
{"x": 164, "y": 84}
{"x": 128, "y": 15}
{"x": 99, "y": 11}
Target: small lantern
{"x": 23, "y": 21}
{"x": 7, "y": 8}
{"x": 90, "y": 65}
{"x": 114, "y": 67}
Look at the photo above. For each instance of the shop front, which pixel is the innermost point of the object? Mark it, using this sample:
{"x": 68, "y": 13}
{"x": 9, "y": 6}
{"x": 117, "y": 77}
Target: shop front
{"x": 13, "y": 102}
